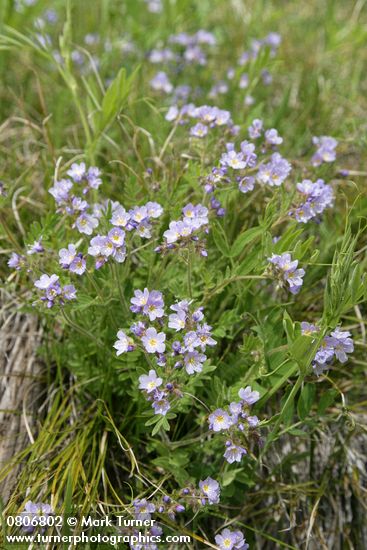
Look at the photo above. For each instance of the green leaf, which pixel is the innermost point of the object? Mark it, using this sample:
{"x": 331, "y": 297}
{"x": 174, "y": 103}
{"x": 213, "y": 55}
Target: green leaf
{"x": 115, "y": 98}
{"x": 244, "y": 239}
{"x": 220, "y": 239}
{"x": 152, "y": 420}
{"x": 288, "y": 327}
{"x": 297, "y": 432}
{"x": 303, "y": 350}
{"x": 326, "y": 400}
{"x": 305, "y": 401}
{"x": 229, "y": 476}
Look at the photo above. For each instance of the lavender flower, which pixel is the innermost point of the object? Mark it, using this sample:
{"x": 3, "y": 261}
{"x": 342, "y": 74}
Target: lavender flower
{"x": 33, "y": 511}
{"x": 52, "y": 290}
{"x": 219, "y": 420}
{"x": 177, "y": 320}
{"x": 248, "y": 396}
{"x": 204, "y": 337}
{"x": 172, "y": 113}
{"x": 70, "y": 259}
{"x": 161, "y": 405}
{"x": 308, "y": 329}
{"x": 148, "y": 303}
{"x": 86, "y": 223}
{"x": 154, "y": 341}
{"x": 256, "y": 128}
{"x": 60, "y": 191}
{"x": 36, "y": 247}
{"x": 140, "y": 299}
{"x": 316, "y": 197}
{"x": 143, "y": 509}
{"x": 154, "y": 210}
{"x": 272, "y": 137}
{"x": 234, "y": 160}
{"x": 342, "y": 344}
{"x": 274, "y": 172}
{"x": 16, "y": 261}
{"x": 68, "y": 292}
{"x": 325, "y": 152}
{"x": 154, "y": 307}
{"x": 210, "y": 490}
{"x": 150, "y": 382}
{"x": 116, "y": 236}
{"x": 123, "y": 344}
{"x": 120, "y": 217}
{"x": 104, "y": 247}
{"x": 252, "y": 421}
{"x": 286, "y": 270}
{"x": 46, "y": 281}
{"x": 195, "y": 217}
{"x": 229, "y": 540}
{"x": 234, "y": 453}
{"x": 161, "y": 83}
{"x": 77, "y": 172}
{"x": 220, "y": 87}
{"x": 244, "y": 81}
{"x": 199, "y": 130}
{"x": 194, "y": 362}
{"x": 338, "y": 344}
{"x": 246, "y": 184}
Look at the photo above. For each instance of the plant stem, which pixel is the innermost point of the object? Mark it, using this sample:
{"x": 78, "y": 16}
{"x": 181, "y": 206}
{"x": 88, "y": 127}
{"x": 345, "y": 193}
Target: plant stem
{"x": 189, "y": 272}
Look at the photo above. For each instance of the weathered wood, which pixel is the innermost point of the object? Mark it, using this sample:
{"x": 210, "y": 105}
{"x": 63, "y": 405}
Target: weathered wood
{"x": 19, "y": 385}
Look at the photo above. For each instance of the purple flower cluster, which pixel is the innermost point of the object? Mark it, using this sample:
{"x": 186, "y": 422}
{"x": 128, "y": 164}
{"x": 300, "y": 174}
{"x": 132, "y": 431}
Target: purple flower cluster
{"x": 189, "y": 51}
{"x": 274, "y": 172}
{"x": 216, "y": 177}
{"x": 191, "y": 46}
{"x": 35, "y": 515}
{"x": 177, "y": 356}
{"x": 272, "y": 40}
{"x": 112, "y": 245}
{"x": 208, "y": 117}
{"x": 161, "y": 83}
{"x": 271, "y": 136}
{"x": 72, "y": 204}
{"x": 72, "y": 260}
{"x": 187, "y": 230}
{"x": 230, "y": 540}
{"x": 16, "y": 261}
{"x": 52, "y": 292}
{"x": 209, "y": 491}
{"x": 35, "y": 248}
{"x": 237, "y": 424}
{"x": 337, "y": 345}
{"x": 245, "y": 158}
{"x": 286, "y": 272}
{"x": 245, "y": 162}
{"x": 315, "y": 198}
{"x": 325, "y": 151}
{"x": 137, "y": 539}
{"x": 154, "y": 6}
{"x": 89, "y": 178}
{"x": 138, "y": 219}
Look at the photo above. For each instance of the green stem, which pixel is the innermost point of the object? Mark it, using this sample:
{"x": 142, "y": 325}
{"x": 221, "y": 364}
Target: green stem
{"x": 83, "y": 331}
{"x": 189, "y": 273}
{"x": 273, "y": 435}
{"x": 121, "y": 292}
{"x": 95, "y": 286}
